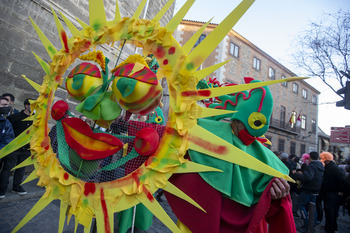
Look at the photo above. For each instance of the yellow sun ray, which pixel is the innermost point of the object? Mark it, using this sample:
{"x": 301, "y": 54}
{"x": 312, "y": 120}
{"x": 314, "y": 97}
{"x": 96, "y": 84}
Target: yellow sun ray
{"x": 82, "y": 23}
{"x": 165, "y": 8}
{"x": 209, "y": 112}
{"x": 28, "y": 161}
{"x": 75, "y": 226}
{"x": 44, "y": 65}
{"x": 191, "y": 167}
{"x": 205, "y": 48}
{"x": 214, "y": 92}
{"x": 169, "y": 187}
{"x": 192, "y": 41}
{"x": 175, "y": 21}
{"x": 30, "y": 118}
{"x": 62, "y": 219}
{"x": 230, "y": 153}
{"x": 116, "y": 15}
{"x": 32, "y": 176}
{"x": 114, "y": 196}
{"x": 158, "y": 211}
{"x": 50, "y": 49}
{"x": 75, "y": 31}
{"x": 97, "y": 14}
{"x": 104, "y": 223}
{"x": 60, "y": 29}
{"x": 39, "y": 206}
{"x": 32, "y": 83}
{"x": 200, "y": 74}
{"x": 87, "y": 229}
{"x": 139, "y": 10}
{"x": 18, "y": 142}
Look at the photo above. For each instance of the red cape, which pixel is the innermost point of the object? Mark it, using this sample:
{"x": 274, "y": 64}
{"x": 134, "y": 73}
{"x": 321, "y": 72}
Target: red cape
{"x": 224, "y": 215}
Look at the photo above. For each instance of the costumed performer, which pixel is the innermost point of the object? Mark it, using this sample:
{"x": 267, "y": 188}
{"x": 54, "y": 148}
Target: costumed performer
{"x": 238, "y": 199}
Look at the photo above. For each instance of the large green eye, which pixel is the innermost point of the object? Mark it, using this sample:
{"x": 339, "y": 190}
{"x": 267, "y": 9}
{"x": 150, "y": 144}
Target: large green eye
{"x": 256, "y": 120}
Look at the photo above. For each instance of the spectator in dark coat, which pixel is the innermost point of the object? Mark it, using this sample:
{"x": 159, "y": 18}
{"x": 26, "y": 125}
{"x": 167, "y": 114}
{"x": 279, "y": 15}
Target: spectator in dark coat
{"x": 18, "y": 156}
{"x": 333, "y": 183}
{"x": 311, "y": 180}
{"x": 6, "y": 131}
{"x": 11, "y": 99}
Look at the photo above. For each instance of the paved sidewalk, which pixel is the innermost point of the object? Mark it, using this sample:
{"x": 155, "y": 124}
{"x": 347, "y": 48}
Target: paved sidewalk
{"x": 14, "y": 207}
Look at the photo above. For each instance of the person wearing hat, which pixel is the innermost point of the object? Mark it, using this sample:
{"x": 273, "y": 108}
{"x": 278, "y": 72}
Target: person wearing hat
{"x": 333, "y": 183}
{"x": 311, "y": 179}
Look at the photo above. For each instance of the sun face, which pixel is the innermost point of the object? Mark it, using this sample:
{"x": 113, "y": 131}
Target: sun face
{"x": 86, "y": 199}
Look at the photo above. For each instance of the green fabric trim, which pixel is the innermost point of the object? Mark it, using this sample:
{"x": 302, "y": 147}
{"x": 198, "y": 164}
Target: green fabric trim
{"x": 143, "y": 218}
{"x": 126, "y": 86}
{"x": 78, "y": 81}
{"x": 238, "y": 183}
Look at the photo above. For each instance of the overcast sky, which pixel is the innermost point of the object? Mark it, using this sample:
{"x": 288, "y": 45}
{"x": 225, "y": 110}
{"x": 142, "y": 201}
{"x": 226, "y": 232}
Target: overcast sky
{"x": 273, "y": 25}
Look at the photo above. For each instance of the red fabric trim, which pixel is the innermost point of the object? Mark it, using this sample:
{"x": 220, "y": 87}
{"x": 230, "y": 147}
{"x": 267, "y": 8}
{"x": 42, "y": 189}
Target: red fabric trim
{"x": 226, "y": 216}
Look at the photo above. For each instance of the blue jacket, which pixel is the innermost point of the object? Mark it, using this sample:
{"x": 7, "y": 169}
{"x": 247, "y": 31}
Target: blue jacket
{"x": 6, "y": 132}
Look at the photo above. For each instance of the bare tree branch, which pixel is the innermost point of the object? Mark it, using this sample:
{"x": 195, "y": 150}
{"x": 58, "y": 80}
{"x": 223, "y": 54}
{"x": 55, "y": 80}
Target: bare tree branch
{"x": 324, "y": 49}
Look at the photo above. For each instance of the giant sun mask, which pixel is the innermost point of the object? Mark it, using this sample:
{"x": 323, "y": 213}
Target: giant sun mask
{"x": 87, "y": 198}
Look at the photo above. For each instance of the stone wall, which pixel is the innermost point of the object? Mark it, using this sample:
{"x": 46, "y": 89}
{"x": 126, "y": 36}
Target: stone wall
{"x": 18, "y": 37}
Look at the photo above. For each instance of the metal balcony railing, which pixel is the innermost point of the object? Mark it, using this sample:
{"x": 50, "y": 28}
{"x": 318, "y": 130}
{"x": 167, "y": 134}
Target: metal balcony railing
{"x": 283, "y": 125}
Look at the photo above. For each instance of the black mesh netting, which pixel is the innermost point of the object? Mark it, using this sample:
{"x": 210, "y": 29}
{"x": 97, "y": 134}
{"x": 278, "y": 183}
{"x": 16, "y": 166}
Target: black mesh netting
{"x": 110, "y": 168}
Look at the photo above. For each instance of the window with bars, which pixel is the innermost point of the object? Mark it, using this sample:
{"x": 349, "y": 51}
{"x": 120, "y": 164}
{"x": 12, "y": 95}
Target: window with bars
{"x": 304, "y": 93}
{"x": 313, "y": 126}
{"x": 292, "y": 147}
{"x": 302, "y": 149}
{"x": 281, "y": 145}
{"x": 295, "y": 87}
{"x": 272, "y": 73}
{"x": 285, "y": 84}
{"x": 256, "y": 63}
{"x": 303, "y": 122}
{"x": 234, "y": 50}
{"x": 283, "y": 116}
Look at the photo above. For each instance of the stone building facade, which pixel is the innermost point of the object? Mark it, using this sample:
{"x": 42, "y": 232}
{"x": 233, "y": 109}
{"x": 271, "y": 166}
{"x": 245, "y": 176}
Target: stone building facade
{"x": 297, "y": 99}
{"x": 18, "y": 38}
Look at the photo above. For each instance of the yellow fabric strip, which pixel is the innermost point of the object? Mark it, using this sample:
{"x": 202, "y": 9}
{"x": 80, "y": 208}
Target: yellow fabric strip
{"x": 39, "y": 206}
{"x": 59, "y": 27}
{"x": 232, "y": 154}
{"x": 31, "y": 177}
{"x": 32, "y": 83}
{"x": 165, "y": 8}
{"x": 214, "y": 92}
{"x": 191, "y": 167}
{"x": 176, "y": 20}
{"x": 50, "y": 49}
{"x": 200, "y": 74}
{"x": 205, "y": 48}
{"x": 28, "y": 161}
{"x": 169, "y": 187}
{"x": 70, "y": 25}
{"x": 97, "y": 14}
{"x": 17, "y": 143}
{"x": 139, "y": 10}
{"x": 208, "y": 112}
{"x": 63, "y": 211}
{"x": 192, "y": 41}
{"x": 158, "y": 211}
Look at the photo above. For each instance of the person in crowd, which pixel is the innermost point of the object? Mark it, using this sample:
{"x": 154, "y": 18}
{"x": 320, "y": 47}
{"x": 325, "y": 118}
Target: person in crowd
{"x": 333, "y": 183}
{"x": 306, "y": 161}
{"x": 19, "y": 125}
{"x": 11, "y": 99}
{"x": 291, "y": 164}
{"x": 6, "y": 130}
{"x": 284, "y": 158}
{"x": 311, "y": 179}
